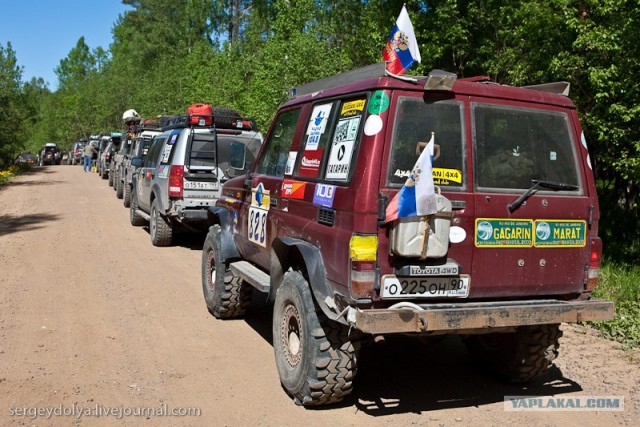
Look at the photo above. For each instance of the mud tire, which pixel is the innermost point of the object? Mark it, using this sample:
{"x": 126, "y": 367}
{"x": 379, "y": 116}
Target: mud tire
{"x": 316, "y": 360}
{"x": 518, "y": 357}
{"x": 226, "y": 295}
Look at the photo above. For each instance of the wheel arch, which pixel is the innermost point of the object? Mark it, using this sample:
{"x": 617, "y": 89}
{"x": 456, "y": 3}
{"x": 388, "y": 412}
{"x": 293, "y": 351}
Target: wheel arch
{"x": 287, "y": 252}
{"x": 222, "y": 217}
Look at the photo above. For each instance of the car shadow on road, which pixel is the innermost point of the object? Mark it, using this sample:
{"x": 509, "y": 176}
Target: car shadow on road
{"x": 13, "y": 224}
{"x": 406, "y": 374}
{"x": 32, "y": 183}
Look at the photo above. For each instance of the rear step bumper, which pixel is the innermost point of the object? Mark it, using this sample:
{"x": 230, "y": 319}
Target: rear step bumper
{"x": 478, "y": 317}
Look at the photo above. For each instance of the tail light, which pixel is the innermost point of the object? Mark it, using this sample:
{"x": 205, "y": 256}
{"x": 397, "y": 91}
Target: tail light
{"x": 593, "y": 271}
{"x": 363, "y": 250}
{"x": 176, "y": 181}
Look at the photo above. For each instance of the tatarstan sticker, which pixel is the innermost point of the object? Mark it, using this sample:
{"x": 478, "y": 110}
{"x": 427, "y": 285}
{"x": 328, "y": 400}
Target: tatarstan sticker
{"x": 293, "y": 189}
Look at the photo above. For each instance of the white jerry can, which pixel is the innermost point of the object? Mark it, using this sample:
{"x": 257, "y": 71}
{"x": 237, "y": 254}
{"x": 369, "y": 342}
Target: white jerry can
{"x": 423, "y": 236}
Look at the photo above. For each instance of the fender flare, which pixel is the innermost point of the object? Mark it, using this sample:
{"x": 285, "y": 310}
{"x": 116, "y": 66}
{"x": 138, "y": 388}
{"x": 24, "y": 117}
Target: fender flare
{"x": 222, "y": 217}
{"x": 314, "y": 264}
{"x": 155, "y": 191}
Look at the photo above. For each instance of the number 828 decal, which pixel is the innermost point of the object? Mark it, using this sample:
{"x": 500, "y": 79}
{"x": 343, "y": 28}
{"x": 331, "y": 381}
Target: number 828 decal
{"x": 258, "y": 212}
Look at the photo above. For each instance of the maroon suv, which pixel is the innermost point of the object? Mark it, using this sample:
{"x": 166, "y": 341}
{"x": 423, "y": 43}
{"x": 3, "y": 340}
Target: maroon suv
{"x": 507, "y": 251}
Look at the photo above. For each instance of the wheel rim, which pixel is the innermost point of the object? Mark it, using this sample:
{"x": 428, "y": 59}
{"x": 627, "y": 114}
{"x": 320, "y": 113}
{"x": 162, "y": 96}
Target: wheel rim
{"x": 291, "y": 335}
{"x": 211, "y": 282}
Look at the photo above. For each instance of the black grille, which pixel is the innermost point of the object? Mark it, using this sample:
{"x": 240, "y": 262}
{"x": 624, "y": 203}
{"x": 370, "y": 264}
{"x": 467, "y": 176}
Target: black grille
{"x": 326, "y": 216}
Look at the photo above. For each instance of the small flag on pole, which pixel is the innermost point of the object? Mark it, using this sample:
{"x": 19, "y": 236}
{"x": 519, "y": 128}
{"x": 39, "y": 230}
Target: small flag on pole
{"x": 401, "y": 50}
{"x": 418, "y": 195}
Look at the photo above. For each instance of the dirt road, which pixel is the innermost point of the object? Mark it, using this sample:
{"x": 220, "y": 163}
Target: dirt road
{"x": 93, "y": 318}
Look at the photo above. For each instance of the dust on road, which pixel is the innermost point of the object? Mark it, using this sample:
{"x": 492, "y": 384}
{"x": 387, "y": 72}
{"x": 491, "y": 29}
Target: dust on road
{"x": 94, "y": 320}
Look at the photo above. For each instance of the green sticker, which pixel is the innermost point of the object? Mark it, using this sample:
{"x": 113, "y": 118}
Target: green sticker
{"x": 560, "y": 234}
{"x": 503, "y": 233}
{"x": 379, "y": 102}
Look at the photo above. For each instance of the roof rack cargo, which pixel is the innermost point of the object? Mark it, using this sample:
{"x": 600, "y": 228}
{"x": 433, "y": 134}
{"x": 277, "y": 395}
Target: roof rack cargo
{"x": 218, "y": 122}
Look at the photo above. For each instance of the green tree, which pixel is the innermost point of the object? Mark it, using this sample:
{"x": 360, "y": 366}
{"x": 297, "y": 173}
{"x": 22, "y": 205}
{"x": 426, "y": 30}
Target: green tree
{"x": 11, "y": 114}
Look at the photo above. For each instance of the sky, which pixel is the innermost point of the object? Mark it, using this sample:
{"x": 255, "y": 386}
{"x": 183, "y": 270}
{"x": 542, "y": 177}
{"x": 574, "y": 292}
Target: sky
{"x": 42, "y": 32}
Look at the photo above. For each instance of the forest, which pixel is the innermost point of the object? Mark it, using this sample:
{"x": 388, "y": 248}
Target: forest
{"x": 168, "y": 54}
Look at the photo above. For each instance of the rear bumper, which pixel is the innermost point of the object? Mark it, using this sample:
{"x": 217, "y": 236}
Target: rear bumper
{"x": 478, "y": 317}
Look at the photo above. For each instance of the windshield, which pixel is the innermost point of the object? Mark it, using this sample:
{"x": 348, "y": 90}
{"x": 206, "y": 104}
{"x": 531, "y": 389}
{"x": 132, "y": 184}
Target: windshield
{"x": 517, "y": 145}
{"x": 416, "y": 121}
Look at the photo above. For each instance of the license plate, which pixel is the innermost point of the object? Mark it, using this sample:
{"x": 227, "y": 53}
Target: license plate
{"x": 425, "y": 287}
{"x": 201, "y": 185}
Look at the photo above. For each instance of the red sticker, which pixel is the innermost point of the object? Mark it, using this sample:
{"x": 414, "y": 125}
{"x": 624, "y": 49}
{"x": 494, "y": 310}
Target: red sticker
{"x": 293, "y": 189}
{"x": 310, "y": 163}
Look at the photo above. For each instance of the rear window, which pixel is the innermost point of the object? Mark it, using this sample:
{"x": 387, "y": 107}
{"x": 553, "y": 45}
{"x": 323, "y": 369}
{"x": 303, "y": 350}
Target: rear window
{"x": 516, "y": 145}
{"x": 203, "y": 151}
{"x": 416, "y": 121}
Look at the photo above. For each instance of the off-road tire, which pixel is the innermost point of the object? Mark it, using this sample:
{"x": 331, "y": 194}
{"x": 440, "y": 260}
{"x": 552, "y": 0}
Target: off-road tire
{"x": 161, "y": 228}
{"x": 104, "y": 174}
{"x": 134, "y": 217}
{"x": 226, "y": 295}
{"x": 316, "y": 360}
{"x": 126, "y": 199}
{"x": 110, "y": 176}
{"x": 518, "y": 357}
{"x": 119, "y": 187}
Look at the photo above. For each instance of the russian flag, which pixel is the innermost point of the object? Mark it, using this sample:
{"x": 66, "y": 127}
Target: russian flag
{"x": 401, "y": 50}
{"x": 418, "y": 196}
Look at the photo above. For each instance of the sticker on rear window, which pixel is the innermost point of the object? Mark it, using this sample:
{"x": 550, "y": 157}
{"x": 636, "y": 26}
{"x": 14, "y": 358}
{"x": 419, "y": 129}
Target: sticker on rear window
{"x": 342, "y": 148}
{"x": 317, "y": 125}
{"x": 560, "y": 234}
{"x": 442, "y": 176}
{"x": 352, "y": 108}
{"x": 503, "y": 233}
{"x": 166, "y": 153}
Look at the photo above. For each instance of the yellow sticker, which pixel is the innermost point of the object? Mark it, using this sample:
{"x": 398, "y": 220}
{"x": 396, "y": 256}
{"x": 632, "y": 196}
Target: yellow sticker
{"x": 444, "y": 175}
{"x": 352, "y": 108}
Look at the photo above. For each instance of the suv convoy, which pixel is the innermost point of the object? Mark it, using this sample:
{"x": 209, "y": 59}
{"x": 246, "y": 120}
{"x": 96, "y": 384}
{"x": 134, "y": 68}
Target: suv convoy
{"x": 185, "y": 167}
{"x": 107, "y": 160}
{"x": 49, "y": 155}
{"x": 508, "y": 251}
{"x": 141, "y": 138}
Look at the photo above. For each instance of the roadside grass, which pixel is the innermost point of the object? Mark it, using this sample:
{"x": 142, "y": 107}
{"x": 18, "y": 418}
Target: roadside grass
{"x": 620, "y": 283}
{"x": 11, "y": 171}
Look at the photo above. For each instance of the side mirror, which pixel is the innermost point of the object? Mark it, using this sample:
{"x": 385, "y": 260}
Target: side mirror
{"x": 237, "y": 158}
{"x": 248, "y": 177}
{"x": 136, "y": 162}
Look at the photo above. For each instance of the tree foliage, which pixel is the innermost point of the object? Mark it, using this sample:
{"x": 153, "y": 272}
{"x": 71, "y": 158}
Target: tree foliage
{"x": 167, "y": 54}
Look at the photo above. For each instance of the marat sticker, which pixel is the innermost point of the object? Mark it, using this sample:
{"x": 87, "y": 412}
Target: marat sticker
{"x": 317, "y": 125}
{"x": 291, "y": 161}
{"x": 560, "y": 234}
{"x": 310, "y": 163}
{"x": 352, "y": 108}
{"x": 503, "y": 233}
{"x": 293, "y": 189}
{"x": 324, "y": 195}
{"x": 379, "y": 102}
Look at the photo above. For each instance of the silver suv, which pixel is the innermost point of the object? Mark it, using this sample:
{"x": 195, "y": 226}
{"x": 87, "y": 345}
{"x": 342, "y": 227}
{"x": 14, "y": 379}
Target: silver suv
{"x": 183, "y": 172}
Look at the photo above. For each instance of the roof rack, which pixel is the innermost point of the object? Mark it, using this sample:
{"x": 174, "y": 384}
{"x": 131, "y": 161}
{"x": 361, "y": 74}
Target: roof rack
{"x": 560, "y": 88}
{"x": 369, "y": 72}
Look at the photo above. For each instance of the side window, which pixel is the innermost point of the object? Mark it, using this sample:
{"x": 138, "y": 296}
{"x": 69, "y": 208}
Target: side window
{"x": 345, "y": 140}
{"x": 316, "y": 140}
{"x": 152, "y": 157}
{"x": 276, "y": 151}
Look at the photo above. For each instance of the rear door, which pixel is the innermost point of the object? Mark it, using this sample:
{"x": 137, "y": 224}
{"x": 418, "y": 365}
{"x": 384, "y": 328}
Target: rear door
{"x": 540, "y": 247}
{"x": 147, "y": 173}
